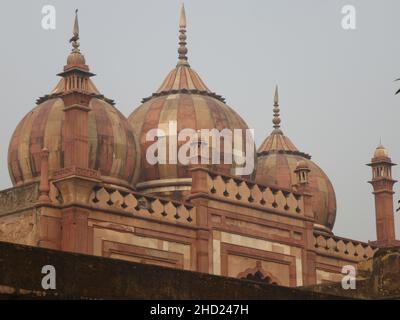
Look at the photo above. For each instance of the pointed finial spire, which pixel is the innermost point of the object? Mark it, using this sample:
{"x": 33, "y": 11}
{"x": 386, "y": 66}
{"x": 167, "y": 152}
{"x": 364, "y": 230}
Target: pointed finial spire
{"x": 76, "y": 24}
{"x": 276, "y": 120}
{"x": 75, "y": 38}
{"x": 182, "y": 20}
{"x": 276, "y": 97}
{"x": 75, "y": 58}
{"x": 182, "y": 38}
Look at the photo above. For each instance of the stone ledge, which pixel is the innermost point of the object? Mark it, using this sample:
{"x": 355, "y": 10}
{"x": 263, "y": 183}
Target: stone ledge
{"x": 89, "y": 277}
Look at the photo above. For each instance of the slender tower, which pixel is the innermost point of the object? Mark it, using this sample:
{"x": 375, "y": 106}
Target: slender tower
{"x": 76, "y": 99}
{"x": 383, "y": 183}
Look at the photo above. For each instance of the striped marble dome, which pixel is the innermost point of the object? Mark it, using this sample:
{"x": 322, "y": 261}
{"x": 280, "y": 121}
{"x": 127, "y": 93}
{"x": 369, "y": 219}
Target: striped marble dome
{"x": 188, "y": 110}
{"x": 277, "y": 158}
{"x": 183, "y": 98}
{"x": 112, "y": 142}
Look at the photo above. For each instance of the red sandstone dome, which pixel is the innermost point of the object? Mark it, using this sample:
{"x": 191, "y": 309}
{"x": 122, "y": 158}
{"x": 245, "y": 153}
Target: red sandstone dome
{"x": 111, "y": 141}
{"x": 277, "y": 159}
{"x": 185, "y": 99}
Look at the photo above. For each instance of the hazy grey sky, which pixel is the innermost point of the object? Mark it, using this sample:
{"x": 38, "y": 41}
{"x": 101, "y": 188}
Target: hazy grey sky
{"x": 336, "y": 86}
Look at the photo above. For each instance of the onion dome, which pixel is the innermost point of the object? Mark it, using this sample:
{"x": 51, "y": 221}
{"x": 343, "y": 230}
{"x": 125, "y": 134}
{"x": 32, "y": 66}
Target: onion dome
{"x": 111, "y": 140}
{"x": 278, "y": 160}
{"x": 185, "y": 99}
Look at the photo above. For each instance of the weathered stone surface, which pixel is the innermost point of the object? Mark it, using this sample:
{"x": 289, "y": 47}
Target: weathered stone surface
{"x": 18, "y": 198}
{"x": 20, "y": 228}
{"x": 385, "y": 273}
{"x": 82, "y": 276}
{"x": 379, "y": 278}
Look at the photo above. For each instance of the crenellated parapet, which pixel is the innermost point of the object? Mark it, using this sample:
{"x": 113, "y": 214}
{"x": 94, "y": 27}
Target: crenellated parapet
{"x": 343, "y": 248}
{"x": 137, "y": 204}
{"x": 241, "y": 191}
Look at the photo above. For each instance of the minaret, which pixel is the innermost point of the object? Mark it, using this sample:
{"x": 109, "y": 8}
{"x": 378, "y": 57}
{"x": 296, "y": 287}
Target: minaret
{"x": 382, "y": 183}
{"x": 76, "y": 180}
{"x": 76, "y": 99}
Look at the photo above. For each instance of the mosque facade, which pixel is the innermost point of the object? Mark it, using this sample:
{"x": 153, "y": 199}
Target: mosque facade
{"x": 82, "y": 183}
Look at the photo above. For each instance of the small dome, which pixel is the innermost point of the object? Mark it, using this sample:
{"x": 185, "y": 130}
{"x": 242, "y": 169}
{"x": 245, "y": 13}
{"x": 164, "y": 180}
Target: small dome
{"x": 277, "y": 160}
{"x": 301, "y": 164}
{"x": 76, "y": 58}
{"x": 381, "y": 152}
{"x": 278, "y": 169}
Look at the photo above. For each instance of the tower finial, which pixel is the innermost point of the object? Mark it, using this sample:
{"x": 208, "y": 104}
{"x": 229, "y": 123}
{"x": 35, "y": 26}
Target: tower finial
{"x": 182, "y": 38}
{"x": 75, "y": 38}
{"x": 276, "y": 120}
{"x": 75, "y": 57}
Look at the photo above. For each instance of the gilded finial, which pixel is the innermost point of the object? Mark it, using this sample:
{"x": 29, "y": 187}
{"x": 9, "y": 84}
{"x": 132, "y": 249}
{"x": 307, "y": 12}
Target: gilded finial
{"x": 182, "y": 38}
{"x": 276, "y": 120}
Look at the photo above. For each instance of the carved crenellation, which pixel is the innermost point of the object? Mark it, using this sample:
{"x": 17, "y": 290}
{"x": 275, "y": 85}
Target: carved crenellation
{"x": 18, "y": 198}
{"x": 143, "y": 205}
{"x": 250, "y": 193}
{"x": 345, "y": 248}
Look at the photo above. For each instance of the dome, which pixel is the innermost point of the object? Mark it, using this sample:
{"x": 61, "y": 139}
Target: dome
{"x": 76, "y": 59}
{"x": 112, "y": 144}
{"x": 193, "y": 111}
{"x": 183, "y": 98}
{"x": 381, "y": 152}
{"x": 277, "y": 160}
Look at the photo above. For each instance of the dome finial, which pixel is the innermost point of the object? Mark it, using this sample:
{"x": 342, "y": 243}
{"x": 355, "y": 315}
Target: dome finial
{"x": 182, "y": 20}
{"x": 182, "y": 38}
{"x": 276, "y": 96}
{"x": 276, "y": 120}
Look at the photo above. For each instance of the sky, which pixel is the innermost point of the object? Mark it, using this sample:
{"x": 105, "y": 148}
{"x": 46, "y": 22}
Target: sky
{"x": 336, "y": 86}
